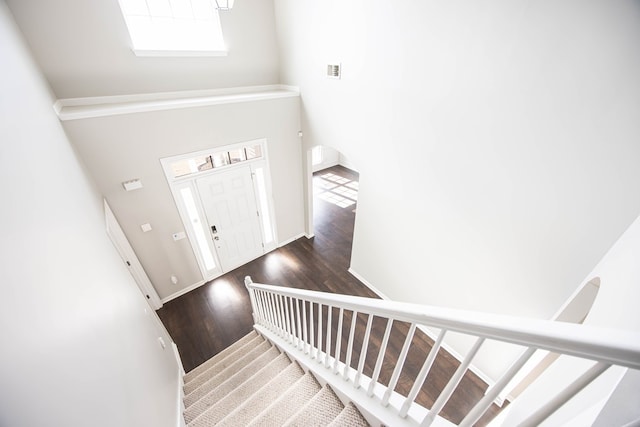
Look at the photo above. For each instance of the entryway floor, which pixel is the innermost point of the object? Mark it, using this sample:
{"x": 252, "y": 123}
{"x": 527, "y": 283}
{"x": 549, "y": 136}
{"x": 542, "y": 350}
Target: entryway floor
{"x": 212, "y": 317}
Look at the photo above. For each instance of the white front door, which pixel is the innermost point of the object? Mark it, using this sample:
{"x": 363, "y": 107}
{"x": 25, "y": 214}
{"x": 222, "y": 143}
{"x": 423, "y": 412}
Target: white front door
{"x": 229, "y": 204}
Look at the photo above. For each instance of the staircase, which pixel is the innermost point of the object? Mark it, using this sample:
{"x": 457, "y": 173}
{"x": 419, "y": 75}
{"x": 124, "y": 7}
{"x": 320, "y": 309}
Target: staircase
{"x": 251, "y": 383}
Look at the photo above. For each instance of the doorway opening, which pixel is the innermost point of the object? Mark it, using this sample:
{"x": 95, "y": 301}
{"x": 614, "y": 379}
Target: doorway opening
{"x": 334, "y": 195}
{"x": 223, "y": 196}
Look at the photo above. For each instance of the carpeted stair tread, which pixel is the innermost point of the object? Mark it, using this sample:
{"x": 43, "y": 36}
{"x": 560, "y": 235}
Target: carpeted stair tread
{"x": 222, "y": 376}
{"x": 222, "y": 364}
{"x": 288, "y": 403}
{"x": 235, "y": 381}
{"x": 349, "y": 417}
{"x": 321, "y": 410}
{"x": 258, "y": 401}
{"x": 218, "y": 357}
{"x": 227, "y": 404}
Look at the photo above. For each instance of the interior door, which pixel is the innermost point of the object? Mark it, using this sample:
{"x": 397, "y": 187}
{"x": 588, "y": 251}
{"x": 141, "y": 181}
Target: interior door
{"x": 229, "y": 204}
{"x": 129, "y": 257}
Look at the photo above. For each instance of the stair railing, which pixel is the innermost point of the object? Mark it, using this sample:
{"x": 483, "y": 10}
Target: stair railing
{"x": 293, "y": 319}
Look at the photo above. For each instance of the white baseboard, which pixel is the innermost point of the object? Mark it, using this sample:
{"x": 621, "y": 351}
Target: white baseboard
{"x": 183, "y": 291}
{"x": 309, "y": 236}
{"x": 325, "y": 165}
{"x": 293, "y": 239}
{"x": 202, "y": 282}
{"x": 431, "y": 334}
{"x": 367, "y": 284}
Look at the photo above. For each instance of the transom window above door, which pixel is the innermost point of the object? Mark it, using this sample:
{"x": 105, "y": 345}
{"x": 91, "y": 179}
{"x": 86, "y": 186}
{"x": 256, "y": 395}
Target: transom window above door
{"x": 217, "y": 159}
{"x": 224, "y": 200}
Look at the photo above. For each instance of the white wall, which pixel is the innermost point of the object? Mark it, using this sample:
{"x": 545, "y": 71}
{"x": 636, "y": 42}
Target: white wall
{"x": 77, "y": 346}
{"x": 497, "y": 141}
{"x": 615, "y": 307}
{"x": 330, "y": 157}
{"x": 124, "y": 147}
{"x": 83, "y": 49}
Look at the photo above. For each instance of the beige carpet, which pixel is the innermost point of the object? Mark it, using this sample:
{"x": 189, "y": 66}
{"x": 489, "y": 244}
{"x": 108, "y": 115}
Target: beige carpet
{"x": 251, "y": 383}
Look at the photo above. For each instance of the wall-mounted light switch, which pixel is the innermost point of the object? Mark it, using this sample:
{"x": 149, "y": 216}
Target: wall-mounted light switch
{"x": 146, "y": 227}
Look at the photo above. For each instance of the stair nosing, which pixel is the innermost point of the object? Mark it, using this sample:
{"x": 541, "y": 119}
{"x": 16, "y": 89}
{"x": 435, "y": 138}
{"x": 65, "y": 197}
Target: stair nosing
{"x": 267, "y": 354}
{"x": 221, "y": 355}
{"x": 281, "y": 358}
{"x": 293, "y": 366}
{"x": 226, "y": 370}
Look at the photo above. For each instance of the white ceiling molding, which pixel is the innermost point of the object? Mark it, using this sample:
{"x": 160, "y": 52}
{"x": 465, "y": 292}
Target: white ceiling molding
{"x": 84, "y": 108}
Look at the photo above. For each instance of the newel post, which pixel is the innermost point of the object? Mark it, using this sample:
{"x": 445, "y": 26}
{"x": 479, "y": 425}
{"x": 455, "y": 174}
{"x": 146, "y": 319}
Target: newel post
{"x": 252, "y": 298}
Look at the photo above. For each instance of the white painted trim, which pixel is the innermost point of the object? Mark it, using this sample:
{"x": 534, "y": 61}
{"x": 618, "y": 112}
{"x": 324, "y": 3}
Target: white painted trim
{"x": 289, "y": 87}
{"x": 190, "y": 181}
{"x": 367, "y": 284}
{"x": 128, "y": 255}
{"x": 83, "y": 108}
{"x": 180, "y": 422}
{"x": 484, "y": 377}
{"x": 612, "y": 346}
{"x": 293, "y": 239}
{"x": 309, "y": 236}
{"x": 57, "y": 107}
{"x": 184, "y": 291}
{"x": 370, "y": 407}
{"x": 139, "y": 97}
{"x": 308, "y": 182}
{"x": 325, "y": 165}
{"x": 179, "y": 53}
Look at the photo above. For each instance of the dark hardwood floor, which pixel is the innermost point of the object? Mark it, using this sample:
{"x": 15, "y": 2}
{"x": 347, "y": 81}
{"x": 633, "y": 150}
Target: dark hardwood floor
{"x": 213, "y": 316}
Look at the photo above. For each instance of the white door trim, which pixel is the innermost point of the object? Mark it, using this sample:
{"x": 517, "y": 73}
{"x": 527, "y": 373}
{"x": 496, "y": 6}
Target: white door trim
{"x": 188, "y": 180}
{"x": 129, "y": 257}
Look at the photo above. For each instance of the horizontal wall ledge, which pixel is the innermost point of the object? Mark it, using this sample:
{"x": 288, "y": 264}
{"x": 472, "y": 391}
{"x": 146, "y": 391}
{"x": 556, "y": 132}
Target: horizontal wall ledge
{"x": 85, "y": 108}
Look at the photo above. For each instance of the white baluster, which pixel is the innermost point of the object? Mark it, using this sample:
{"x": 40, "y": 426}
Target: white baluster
{"x": 327, "y": 351}
{"x": 285, "y": 317}
{"x": 352, "y": 330}
{"x": 338, "y": 342}
{"x": 381, "y": 352}
{"x": 452, "y": 384}
{"x": 399, "y": 365}
{"x": 485, "y": 403}
{"x": 259, "y": 308}
{"x": 276, "y": 301}
{"x": 269, "y": 310}
{"x": 319, "y": 339}
{"x": 291, "y": 328}
{"x": 305, "y": 345}
{"x": 422, "y": 375}
{"x": 561, "y": 398}
{"x": 363, "y": 351}
{"x": 311, "y": 331}
{"x": 301, "y": 332}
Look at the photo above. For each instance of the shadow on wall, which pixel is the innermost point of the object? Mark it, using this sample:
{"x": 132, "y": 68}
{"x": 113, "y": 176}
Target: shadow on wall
{"x": 575, "y": 310}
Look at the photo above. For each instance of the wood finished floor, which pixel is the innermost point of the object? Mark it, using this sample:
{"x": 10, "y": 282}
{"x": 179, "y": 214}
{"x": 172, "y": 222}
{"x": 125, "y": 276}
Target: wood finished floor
{"x": 210, "y": 318}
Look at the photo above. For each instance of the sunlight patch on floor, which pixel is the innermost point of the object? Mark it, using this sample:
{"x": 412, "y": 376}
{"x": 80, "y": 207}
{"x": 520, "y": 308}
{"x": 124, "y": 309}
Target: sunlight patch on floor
{"x": 336, "y": 189}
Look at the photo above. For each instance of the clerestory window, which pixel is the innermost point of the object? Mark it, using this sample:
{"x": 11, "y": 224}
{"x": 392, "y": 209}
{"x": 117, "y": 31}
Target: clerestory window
{"x": 174, "y": 27}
